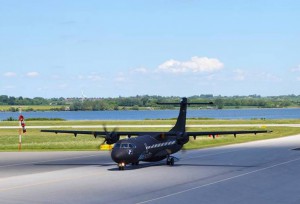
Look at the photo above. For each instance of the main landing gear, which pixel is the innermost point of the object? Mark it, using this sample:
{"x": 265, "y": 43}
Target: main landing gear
{"x": 135, "y": 163}
{"x": 170, "y": 161}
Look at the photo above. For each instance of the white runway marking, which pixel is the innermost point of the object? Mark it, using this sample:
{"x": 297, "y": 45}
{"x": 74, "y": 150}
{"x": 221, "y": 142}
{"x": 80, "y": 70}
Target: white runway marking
{"x": 220, "y": 181}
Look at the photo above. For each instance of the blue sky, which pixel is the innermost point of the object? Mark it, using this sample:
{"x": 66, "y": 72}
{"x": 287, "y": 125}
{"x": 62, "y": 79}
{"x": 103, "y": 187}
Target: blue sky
{"x": 59, "y": 48}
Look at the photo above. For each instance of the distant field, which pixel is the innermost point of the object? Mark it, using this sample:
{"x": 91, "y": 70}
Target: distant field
{"x": 151, "y": 122}
{"x": 33, "y": 107}
{"x": 34, "y": 140}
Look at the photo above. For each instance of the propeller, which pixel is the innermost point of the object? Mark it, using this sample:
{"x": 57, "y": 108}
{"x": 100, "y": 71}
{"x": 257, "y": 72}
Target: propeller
{"x": 110, "y": 137}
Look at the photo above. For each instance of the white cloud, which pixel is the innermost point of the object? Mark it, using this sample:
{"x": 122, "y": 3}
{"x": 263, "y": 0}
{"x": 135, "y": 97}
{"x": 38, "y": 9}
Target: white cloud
{"x": 94, "y": 77}
{"x": 240, "y": 75}
{"x": 120, "y": 77}
{"x": 210, "y": 77}
{"x": 296, "y": 69}
{"x": 298, "y": 78}
{"x": 196, "y": 64}
{"x": 32, "y": 74}
{"x": 54, "y": 76}
{"x": 141, "y": 70}
{"x": 267, "y": 77}
{"x": 10, "y": 74}
{"x": 62, "y": 86}
{"x": 9, "y": 87}
{"x": 91, "y": 77}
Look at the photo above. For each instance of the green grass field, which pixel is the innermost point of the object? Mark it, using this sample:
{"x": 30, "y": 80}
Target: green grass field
{"x": 34, "y": 140}
{"x": 31, "y": 107}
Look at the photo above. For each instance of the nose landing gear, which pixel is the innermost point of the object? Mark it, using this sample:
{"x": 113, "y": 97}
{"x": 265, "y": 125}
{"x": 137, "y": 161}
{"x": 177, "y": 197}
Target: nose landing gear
{"x": 121, "y": 166}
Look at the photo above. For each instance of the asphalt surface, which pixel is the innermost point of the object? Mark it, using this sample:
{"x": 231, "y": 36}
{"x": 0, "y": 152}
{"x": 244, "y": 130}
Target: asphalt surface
{"x": 257, "y": 172}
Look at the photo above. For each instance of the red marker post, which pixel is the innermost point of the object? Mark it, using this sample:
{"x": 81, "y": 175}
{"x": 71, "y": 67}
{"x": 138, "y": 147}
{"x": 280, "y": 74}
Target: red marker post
{"x": 22, "y": 129}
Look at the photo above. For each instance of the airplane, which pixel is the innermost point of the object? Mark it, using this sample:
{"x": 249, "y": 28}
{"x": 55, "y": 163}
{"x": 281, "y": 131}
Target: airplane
{"x": 152, "y": 146}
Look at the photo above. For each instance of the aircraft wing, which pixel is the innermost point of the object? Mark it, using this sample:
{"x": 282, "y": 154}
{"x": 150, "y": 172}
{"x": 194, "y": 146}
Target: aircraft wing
{"x": 103, "y": 133}
{"x": 138, "y": 133}
{"x": 214, "y": 133}
{"x": 112, "y": 137}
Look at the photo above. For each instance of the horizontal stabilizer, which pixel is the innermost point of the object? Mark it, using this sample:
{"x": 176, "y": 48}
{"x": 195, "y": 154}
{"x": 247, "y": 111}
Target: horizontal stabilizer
{"x": 210, "y": 103}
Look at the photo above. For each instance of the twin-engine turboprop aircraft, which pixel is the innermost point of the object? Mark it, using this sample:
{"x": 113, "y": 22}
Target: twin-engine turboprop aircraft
{"x": 151, "y": 146}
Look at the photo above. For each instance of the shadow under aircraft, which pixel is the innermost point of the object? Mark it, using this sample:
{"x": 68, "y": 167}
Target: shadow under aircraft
{"x": 152, "y": 146}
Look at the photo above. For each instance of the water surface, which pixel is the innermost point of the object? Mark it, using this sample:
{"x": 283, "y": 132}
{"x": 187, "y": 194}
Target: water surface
{"x": 282, "y": 113}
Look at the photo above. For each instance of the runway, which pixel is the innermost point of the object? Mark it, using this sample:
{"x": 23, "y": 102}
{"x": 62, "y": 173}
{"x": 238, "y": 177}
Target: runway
{"x": 257, "y": 172}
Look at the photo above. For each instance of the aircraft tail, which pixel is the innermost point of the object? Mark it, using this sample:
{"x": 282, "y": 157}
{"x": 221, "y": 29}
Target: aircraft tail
{"x": 179, "y": 127}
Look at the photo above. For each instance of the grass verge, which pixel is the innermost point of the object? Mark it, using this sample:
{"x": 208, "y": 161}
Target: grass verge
{"x": 34, "y": 140}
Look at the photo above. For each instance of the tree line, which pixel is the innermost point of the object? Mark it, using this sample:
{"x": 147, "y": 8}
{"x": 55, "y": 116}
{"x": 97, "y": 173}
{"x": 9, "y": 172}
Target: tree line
{"x": 150, "y": 102}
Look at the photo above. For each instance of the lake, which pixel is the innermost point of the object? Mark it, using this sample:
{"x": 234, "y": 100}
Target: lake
{"x": 281, "y": 113}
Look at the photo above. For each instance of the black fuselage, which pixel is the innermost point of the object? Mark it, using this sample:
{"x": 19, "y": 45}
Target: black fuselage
{"x": 144, "y": 148}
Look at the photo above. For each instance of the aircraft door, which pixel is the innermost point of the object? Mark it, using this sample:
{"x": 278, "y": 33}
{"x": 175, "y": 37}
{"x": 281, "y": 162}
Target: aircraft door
{"x": 131, "y": 149}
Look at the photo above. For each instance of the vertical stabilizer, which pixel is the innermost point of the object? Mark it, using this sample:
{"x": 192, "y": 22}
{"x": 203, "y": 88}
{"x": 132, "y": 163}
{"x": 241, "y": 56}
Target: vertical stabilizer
{"x": 181, "y": 120}
{"x": 179, "y": 127}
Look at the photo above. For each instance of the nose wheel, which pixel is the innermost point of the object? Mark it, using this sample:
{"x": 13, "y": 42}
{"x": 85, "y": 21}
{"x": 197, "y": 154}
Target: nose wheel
{"x": 121, "y": 166}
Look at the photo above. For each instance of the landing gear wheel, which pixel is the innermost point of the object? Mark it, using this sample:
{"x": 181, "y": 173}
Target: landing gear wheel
{"x": 121, "y": 167}
{"x": 172, "y": 161}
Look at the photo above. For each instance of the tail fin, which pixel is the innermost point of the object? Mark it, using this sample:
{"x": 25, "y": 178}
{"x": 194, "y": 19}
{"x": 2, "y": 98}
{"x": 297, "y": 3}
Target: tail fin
{"x": 181, "y": 119}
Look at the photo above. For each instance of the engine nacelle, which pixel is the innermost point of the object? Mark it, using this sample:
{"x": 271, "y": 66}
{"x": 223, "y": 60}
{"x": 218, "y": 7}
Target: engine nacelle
{"x": 112, "y": 138}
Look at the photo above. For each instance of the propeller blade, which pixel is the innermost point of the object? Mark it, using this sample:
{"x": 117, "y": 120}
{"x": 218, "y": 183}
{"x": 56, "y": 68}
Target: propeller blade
{"x": 104, "y": 128}
{"x": 115, "y": 129}
{"x": 103, "y": 142}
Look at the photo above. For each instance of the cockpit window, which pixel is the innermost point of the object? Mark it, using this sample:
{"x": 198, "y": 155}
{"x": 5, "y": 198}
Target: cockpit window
{"x": 117, "y": 145}
{"x": 124, "y": 145}
{"x": 132, "y": 146}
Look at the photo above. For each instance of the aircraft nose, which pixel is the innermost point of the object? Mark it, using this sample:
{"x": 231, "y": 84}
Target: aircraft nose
{"x": 123, "y": 156}
{"x": 117, "y": 156}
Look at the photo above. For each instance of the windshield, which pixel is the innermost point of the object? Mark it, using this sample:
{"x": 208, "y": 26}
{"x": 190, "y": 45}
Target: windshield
{"x": 124, "y": 145}
{"x": 117, "y": 145}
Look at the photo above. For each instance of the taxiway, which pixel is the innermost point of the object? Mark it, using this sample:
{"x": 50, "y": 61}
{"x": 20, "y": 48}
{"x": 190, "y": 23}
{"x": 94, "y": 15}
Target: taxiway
{"x": 256, "y": 172}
